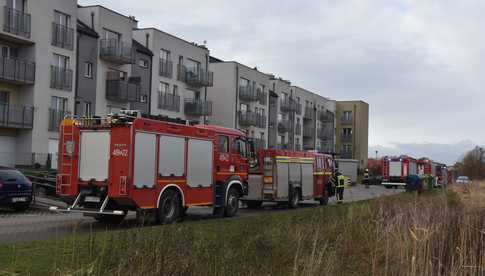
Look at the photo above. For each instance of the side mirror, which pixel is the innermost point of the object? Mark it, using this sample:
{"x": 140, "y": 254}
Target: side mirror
{"x": 253, "y": 155}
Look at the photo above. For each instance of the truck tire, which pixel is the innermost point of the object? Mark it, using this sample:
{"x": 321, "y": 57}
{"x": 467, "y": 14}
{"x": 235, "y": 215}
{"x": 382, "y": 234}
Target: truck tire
{"x": 169, "y": 207}
{"x": 254, "y": 204}
{"x": 232, "y": 204}
{"x": 323, "y": 200}
{"x": 294, "y": 199}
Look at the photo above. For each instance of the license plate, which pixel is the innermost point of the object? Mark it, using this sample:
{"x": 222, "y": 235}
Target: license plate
{"x": 19, "y": 199}
{"x": 94, "y": 199}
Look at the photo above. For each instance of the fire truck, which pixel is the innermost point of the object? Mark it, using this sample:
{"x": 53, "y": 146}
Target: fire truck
{"x": 441, "y": 175}
{"x": 395, "y": 170}
{"x": 288, "y": 177}
{"x": 109, "y": 166}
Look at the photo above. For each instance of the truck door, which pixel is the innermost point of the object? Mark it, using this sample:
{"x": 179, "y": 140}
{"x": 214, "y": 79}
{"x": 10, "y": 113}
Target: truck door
{"x": 224, "y": 155}
{"x": 241, "y": 155}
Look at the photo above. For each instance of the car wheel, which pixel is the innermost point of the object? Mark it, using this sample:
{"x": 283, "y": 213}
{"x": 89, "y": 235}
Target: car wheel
{"x": 232, "y": 204}
{"x": 169, "y": 207}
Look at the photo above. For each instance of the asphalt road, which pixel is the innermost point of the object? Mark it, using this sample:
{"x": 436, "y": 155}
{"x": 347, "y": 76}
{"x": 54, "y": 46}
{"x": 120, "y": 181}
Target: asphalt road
{"x": 40, "y": 224}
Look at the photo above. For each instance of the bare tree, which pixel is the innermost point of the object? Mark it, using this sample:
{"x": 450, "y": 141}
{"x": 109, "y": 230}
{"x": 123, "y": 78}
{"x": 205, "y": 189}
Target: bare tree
{"x": 473, "y": 164}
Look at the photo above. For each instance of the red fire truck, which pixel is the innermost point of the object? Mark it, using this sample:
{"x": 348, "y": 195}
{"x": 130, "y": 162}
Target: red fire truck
{"x": 110, "y": 166}
{"x": 289, "y": 177}
{"x": 395, "y": 170}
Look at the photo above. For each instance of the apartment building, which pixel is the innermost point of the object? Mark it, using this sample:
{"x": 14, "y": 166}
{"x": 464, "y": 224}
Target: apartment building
{"x": 117, "y": 85}
{"x": 240, "y": 99}
{"x": 38, "y": 45}
{"x": 353, "y": 131}
{"x": 282, "y": 110}
{"x": 180, "y": 76}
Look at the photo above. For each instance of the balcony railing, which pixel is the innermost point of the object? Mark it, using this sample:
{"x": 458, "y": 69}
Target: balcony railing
{"x": 308, "y": 132}
{"x": 122, "y": 91}
{"x": 17, "y": 71}
{"x": 248, "y": 93}
{"x": 325, "y": 117}
{"x": 284, "y": 126}
{"x": 346, "y": 154}
{"x": 196, "y": 77}
{"x": 250, "y": 118}
{"x": 166, "y": 68}
{"x": 116, "y": 51}
{"x": 298, "y": 129}
{"x": 346, "y": 120}
{"x": 61, "y": 78}
{"x": 259, "y": 143}
{"x": 168, "y": 101}
{"x": 55, "y": 118}
{"x": 62, "y": 36}
{"x": 12, "y": 116}
{"x": 195, "y": 107}
{"x": 346, "y": 138}
{"x": 16, "y": 22}
{"x": 288, "y": 105}
{"x": 309, "y": 113}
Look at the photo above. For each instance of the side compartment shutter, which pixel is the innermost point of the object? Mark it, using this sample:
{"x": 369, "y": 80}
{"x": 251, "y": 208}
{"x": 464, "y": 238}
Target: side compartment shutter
{"x": 145, "y": 160}
{"x": 199, "y": 163}
{"x": 282, "y": 181}
{"x": 172, "y": 156}
{"x": 307, "y": 179}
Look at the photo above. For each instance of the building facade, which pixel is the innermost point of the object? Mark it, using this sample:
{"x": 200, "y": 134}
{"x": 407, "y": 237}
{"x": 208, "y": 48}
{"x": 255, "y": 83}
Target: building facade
{"x": 38, "y": 44}
{"x": 180, "y": 76}
{"x": 240, "y": 99}
{"x": 353, "y": 131}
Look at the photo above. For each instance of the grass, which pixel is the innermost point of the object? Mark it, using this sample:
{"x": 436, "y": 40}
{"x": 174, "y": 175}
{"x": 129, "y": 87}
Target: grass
{"x": 430, "y": 234}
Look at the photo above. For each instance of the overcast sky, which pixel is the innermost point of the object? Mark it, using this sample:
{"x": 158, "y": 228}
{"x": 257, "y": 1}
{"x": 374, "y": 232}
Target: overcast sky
{"x": 418, "y": 63}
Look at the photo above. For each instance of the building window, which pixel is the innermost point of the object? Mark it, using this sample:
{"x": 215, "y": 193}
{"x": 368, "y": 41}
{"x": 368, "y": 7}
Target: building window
{"x": 143, "y": 98}
{"x": 88, "y": 70}
{"x": 59, "y": 103}
{"x": 165, "y": 55}
{"x": 347, "y": 132}
{"x": 87, "y": 109}
{"x": 143, "y": 63}
{"x": 62, "y": 19}
{"x": 243, "y": 82}
{"x": 175, "y": 90}
{"x": 244, "y": 107}
{"x": 61, "y": 61}
{"x": 111, "y": 35}
{"x": 347, "y": 115}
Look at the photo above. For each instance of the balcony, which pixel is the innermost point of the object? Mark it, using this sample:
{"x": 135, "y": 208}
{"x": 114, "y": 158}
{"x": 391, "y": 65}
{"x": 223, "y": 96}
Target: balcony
{"x": 288, "y": 105}
{"x": 16, "y": 22}
{"x": 122, "y": 91}
{"x": 196, "y": 107}
{"x": 346, "y": 138}
{"x": 166, "y": 68}
{"x": 55, "y": 118}
{"x": 250, "y": 118}
{"x": 298, "y": 129}
{"x": 17, "y": 71}
{"x": 195, "y": 77}
{"x": 19, "y": 117}
{"x": 324, "y": 134}
{"x": 62, "y": 36}
{"x": 308, "y": 132}
{"x": 309, "y": 113}
{"x": 345, "y": 120}
{"x": 170, "y": 102}
{"x": 115, "y": 51}
{"x": 284, "y": 126}
{"x": 248, "y": 93}
{"x": 61, "y": 78}
{"x": 325, "y": 117}
{"x": 262, "y": 96}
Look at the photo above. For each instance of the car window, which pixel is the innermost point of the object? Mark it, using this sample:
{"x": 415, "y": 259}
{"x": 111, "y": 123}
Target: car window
{"x": 223, "y": 144}
{"x": 241, "y": 147}
{"x": 11, "y": 175}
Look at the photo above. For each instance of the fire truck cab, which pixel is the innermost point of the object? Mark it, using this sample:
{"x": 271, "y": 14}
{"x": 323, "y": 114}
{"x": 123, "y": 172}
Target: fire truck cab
{"x": 289, "y": 177}
{"x": 109, "y": 166}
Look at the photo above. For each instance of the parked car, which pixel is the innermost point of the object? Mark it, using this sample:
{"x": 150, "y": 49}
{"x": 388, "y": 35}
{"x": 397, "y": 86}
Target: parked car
{"x": 462, "y": 180}
{"x": 15, "y": 189}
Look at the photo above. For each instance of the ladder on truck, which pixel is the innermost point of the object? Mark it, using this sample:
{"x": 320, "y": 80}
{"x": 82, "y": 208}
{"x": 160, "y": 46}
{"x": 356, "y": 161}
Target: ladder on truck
{"x": 66, "y": 167}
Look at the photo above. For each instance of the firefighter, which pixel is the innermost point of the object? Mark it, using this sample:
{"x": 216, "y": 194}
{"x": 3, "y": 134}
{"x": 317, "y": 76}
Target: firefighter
{"x": 366, "y": 179}
{"x": 340, "y": 187}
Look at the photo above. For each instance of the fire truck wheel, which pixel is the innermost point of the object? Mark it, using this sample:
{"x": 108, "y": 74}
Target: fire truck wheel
{"x": 324, "y": 200}
{"x": 294, "y": 199}
{"x": 232, "y": 205}
{"x": 169, "y": 208}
